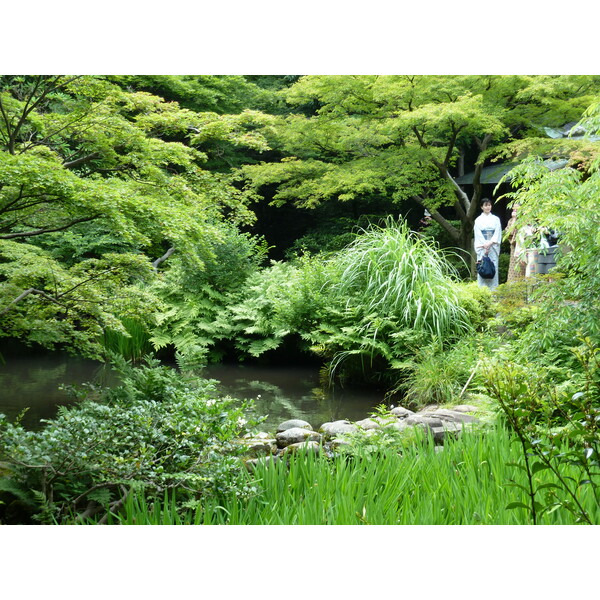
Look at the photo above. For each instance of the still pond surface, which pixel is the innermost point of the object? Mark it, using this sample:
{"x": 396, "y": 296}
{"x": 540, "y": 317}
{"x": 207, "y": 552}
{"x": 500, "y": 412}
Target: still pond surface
{"x": 38, "y": 383}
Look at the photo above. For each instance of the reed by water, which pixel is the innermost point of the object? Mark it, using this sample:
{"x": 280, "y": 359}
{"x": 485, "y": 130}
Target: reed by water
{"x": 469, "y": 482}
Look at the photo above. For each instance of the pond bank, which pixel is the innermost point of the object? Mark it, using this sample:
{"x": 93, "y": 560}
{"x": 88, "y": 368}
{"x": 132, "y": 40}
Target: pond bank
{"x": 296, "y": 434}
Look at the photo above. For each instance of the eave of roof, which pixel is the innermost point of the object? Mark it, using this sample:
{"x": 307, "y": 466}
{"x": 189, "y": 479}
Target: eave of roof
{"x": 494, "y": 173}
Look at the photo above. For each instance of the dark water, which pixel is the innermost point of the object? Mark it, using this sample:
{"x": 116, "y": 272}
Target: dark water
{"x": 37, "y": 382}
{"x": 283, "y": 393}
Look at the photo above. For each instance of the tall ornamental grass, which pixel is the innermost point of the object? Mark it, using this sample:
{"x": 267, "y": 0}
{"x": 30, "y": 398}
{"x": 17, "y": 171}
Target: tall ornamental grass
{"x": 132, "y": 342}
{"x": 392, "y": 271}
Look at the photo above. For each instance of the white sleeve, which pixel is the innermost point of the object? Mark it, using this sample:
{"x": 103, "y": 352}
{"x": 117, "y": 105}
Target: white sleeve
{"x": 478, "y": 235}
{"x": 497, "y": 232}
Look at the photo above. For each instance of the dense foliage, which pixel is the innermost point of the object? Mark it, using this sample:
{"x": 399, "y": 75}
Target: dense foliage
{"x": 97, "y": 184}
{"x": 157, "y": 432}
{"x": 131, "y": 209}
{"x": 410, "y": 137}
{"x": 466, "y": 484}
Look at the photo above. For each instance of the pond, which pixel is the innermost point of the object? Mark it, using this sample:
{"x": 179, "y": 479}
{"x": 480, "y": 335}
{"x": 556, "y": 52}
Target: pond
{"x": 37, "y": 382}
{"x": 282, "y": 393}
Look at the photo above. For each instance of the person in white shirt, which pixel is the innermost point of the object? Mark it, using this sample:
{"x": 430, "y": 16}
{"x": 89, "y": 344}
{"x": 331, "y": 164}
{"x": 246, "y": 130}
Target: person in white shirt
{"x": 488, "y": 235}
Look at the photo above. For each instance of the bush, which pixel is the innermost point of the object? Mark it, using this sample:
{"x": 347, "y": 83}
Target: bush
{"x": 267, "y": 308}
{"x": 558, "y": 433}
{"x": 194, "y": 299}
{"x": 395, "y": 292}
{"x": 438, "y": 375}
{"x": 478, "y": 303}
{"x": 542, "y": 324}
{"x": 156, "y": 432}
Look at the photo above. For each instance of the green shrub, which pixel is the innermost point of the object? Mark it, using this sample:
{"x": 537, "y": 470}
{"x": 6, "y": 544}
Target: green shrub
{"x": 390, "y": 270}
{"x": 261, "y": 315}
{"x": 394, "y": 292}
{"x": 157, "y": 432}
{"x": 478, "y": 303}
{"x": 438, "y": 375}
{"x": 503, "y": 264}
{"x": 191, "y": 320}
{"x": 514, "y": 311}
{"x": 543, "y": 325}
{"x": 558, "y": 433}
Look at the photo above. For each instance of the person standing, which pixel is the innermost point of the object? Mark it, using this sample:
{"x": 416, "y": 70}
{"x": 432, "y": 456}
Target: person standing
{"x": 488, "y": 235}
{"x": 518, "y": 261}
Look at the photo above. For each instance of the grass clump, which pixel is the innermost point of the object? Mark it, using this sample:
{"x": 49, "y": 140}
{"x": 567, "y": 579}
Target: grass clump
{"x": 470, "y": 482}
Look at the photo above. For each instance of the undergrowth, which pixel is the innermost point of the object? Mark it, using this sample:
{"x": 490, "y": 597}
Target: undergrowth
{"x": 469, "y": 482}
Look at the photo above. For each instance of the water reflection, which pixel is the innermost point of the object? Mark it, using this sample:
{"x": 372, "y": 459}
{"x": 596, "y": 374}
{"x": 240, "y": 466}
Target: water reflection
{"x": 283, "y": 393}
{"x": 37, "y": 383}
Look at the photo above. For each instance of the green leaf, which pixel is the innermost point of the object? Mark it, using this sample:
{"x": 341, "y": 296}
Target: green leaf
{"x": 550, "y": 508}
{"x": 539, "y": 466}
{"x": 517, "y": 505}
{"x": 522, "y": 487}
{"x": 548, "y": 485}
{"x": 538, "y": 507}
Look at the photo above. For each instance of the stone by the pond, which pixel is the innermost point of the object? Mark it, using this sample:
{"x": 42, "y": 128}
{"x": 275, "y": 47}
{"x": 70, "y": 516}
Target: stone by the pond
{"x": 259, "y": 435}
{"x": 398, "y": 424}
{"x": 453, "y": 416}
{"x": 401, "y": 412}
{"x": 368, "y": 424}
{"x": 449, "y": 428}
{"x": 337, "y": 442}
{"x": 334, "y": 428}
{"x": 295, "y": 435}
{"x": 465, "y": 408}
{"x": 293, "y": 423}
{"x": 423, "y": 420}
{"x": 309, "y": 446}
{"x": 256, "y": 446}
{"x": 385, "y": 420}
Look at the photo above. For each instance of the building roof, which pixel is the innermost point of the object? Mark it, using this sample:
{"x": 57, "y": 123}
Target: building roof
{"x": 494, "y": 173}
{"x": 570, "y": 130}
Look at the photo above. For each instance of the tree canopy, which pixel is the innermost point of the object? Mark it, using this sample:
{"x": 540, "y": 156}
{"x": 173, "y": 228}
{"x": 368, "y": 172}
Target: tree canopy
{"x": 411, "y": 137}
{"x": 97, "y": 183}
{"x": 104, "y": 178}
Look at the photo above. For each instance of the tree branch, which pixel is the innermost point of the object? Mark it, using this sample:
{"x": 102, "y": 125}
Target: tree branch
{"x": 80, "y": 161}
{"x": 31, "y": 104}
{"x": 455, "y": 132}
{"x": 437, "y": 217}
{"x": 13, "y": 205}
{"x": 116, "y": 505}
{"x": 163, "y": 257}
{"x": 32, "y": 291}
{"x": 477, "y": 187}
{"x": 24, "y": 234}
